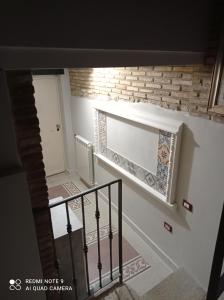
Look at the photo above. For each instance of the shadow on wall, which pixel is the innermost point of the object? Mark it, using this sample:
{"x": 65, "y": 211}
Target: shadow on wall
{"x": 188, "y": 145}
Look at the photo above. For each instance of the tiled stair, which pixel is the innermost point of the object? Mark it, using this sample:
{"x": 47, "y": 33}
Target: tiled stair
{"x": 177, "y": 286}
{"x": 119, "y": 293}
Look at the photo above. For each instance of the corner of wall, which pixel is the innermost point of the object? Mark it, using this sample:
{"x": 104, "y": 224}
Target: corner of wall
{"x": 65, "y": 91}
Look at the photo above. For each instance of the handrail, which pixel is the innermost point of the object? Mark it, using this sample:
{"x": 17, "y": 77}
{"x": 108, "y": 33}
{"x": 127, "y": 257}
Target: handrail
{"x": 82, "y": 194}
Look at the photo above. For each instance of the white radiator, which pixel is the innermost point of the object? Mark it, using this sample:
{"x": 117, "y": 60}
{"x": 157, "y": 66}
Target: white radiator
{"x": 84, "y": 160}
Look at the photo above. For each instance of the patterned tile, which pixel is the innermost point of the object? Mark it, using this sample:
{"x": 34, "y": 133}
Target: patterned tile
{"x": 66, "y": 190}
{"x": 140, "y": 174}
{"x": 57, "y": 191}
{"x": 72, "y": 189}
{"x": 164, "y": 154}
{"x": 150, "y": 179}
{"x": 164, "y": 137}
{"x": 131, "y": 167}
{"x": 162, "y": 172}
{"x": 134, "y": 268}
{"x": 76, "y": 204}
{"x": 131, "y": 269}
{"x": 161, "y": 187}
{"x": 116, "y": 158}
{"x": 91, "y": 237}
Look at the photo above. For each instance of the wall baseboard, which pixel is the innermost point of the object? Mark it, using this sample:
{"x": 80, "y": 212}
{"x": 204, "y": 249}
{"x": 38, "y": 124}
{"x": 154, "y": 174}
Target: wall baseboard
{"x": 71, "y": 171}
{"x": 144, "y": 236}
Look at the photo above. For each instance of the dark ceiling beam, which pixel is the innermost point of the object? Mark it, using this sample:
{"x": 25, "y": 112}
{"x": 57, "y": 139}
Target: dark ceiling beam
{"x": 30, "y": 57}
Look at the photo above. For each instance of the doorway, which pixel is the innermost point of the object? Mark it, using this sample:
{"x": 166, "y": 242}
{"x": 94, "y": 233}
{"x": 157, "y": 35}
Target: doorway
{"x": 47, "y": 97}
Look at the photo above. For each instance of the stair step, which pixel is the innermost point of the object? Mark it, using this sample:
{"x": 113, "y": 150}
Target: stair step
{"x": 177, "y": 286}
{"x": 119, "y": 292}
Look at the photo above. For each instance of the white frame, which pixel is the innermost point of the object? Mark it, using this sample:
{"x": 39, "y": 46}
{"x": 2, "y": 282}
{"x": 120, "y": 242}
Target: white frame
{"x": 173, "y": 129}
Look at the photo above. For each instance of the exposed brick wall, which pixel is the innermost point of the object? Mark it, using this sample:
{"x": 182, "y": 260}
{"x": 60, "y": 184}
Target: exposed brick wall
{"x": 30, "y": 152}
{"x": 184, "y": 88}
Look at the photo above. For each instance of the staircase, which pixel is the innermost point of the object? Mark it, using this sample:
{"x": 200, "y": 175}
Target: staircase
{"x": 71, "y": 246}
{"x": 177, "y": 286}
{"x": 118, "y": 292}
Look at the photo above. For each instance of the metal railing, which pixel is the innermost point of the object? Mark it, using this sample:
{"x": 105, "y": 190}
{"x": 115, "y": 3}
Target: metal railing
{"x": 81, "y": 196}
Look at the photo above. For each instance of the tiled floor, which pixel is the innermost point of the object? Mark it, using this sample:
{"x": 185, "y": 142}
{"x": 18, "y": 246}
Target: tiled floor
{"x": 145, "y": 280}
{"x": 178, "y": 286}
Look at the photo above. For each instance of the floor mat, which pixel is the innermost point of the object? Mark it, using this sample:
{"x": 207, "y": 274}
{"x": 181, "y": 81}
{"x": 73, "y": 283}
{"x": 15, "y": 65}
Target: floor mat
{"x": 66, "y": 190}
{"x": 133, "y": 263}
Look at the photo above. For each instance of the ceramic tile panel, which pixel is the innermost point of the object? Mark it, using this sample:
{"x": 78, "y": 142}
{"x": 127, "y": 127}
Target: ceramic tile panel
{"x": 159, "y": 181}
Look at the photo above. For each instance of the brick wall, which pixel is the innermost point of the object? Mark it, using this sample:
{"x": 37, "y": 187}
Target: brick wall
{"x": 30, "y": 152}
{"x": 184, "y": 88}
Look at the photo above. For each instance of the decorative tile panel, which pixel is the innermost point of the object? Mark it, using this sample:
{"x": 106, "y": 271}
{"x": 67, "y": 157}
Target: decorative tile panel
{"x": 165, "y": 157}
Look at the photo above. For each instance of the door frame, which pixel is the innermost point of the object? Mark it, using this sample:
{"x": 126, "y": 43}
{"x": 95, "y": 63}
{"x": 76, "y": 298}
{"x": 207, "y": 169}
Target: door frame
{"x": 66, "y": 113}
{"x": 60, "y": 109}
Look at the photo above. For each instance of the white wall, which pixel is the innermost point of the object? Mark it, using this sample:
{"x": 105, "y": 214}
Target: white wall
{"x": 67, "y": 122}
{"x": 200, "y": 181}
{"x": 136, "y": 134}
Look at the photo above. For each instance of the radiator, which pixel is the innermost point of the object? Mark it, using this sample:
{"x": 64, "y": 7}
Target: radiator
{"x": 84, "y": 160}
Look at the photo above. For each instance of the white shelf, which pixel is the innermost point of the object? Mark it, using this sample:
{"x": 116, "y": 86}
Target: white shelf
{"x": 135, "y": 112}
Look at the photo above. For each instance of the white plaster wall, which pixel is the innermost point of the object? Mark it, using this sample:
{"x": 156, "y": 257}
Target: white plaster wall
{"x": 136, "y": 133}
{"x": 67, "y": 122}
{"x": 200, "y": 181}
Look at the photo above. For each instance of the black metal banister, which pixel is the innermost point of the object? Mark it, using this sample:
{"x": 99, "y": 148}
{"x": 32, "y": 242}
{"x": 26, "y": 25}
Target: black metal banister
{"x": 69, "y": 230}
{"x": 110, "y": 233}
{"x": 85, "y": 247}
{"x": 97, "y": 215}
{"x": 120, "y": 232}
{"x": 79, "y": 195}
{"x": 102, "y": 280}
